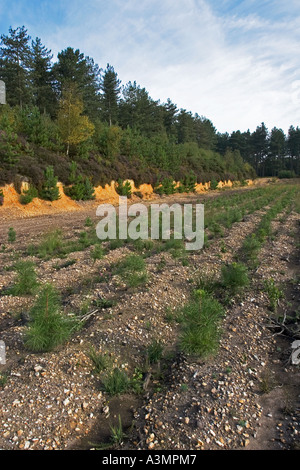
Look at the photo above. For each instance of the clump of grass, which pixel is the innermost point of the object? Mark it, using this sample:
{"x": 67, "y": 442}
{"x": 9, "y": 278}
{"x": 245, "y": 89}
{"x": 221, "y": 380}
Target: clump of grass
{"x": 154, "y": 351}
{"x": 100, "y": 360}
{"x": 273, "y": 292}
{"x": 132, "y": 269}
{"x": 11, "y": 236}
{"x": 200, "y": 324}
{"x": 49, "y": 327}
{"x": 26, "y": 282}
{"x": 234, "y": 277}
{"x": 267, "y": 382}
{"x": 117, "y": 433}
{"x": 116, "y": 382}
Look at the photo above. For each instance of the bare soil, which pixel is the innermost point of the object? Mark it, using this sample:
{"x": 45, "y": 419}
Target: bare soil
{"x": 245, "y": 397}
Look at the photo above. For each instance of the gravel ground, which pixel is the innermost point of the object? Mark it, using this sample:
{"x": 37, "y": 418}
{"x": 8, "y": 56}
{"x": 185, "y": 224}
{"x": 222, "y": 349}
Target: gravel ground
{"x": 55, "y": 401}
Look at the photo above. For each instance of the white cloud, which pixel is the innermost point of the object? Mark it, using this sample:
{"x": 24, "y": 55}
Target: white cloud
{"x": 237, "y": 63}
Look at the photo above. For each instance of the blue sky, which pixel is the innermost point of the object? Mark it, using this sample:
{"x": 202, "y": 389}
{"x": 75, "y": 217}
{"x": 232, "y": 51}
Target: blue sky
{"x": 235, "y": 62}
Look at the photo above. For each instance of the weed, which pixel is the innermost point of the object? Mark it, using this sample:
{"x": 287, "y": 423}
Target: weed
{"x": 154, "y": 352}
{"x": 100, "y": 361}
{"x": 267, "y": 382}
{"x": 117, "y": 434}
{"x": 273, "y": 292}
{"x": 136, "y": 383}
{"x": 116, "y": 382}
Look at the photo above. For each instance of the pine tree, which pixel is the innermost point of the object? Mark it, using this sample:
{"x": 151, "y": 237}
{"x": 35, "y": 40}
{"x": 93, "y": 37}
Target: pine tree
{"x": 14, "y": 66}
{"x": 42, "y": 78}
{"x": 110, "y": 86}
{"x": 74, "y": 69}
{"x": 50, "y": 191}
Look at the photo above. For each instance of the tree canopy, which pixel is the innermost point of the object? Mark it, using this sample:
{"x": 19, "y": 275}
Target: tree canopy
{"x": 69, "y": 109}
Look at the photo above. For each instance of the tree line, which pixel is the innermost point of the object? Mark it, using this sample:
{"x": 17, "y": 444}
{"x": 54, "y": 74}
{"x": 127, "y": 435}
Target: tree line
{"x": 72, "y": 111}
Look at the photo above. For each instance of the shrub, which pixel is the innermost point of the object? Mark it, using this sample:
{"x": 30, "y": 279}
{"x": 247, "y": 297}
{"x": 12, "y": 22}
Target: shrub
{"x": 200, "y": 323}
{"x": 123, "y": 189}
{"x": 97, "y": 253}
{"x": 166, "y": 186}
{"x": 26, "y": 282}
{"x": 11, "y": 235}
{"x": 213, "y": 184}
{"x": 49, "y": 327}
{"x": 286, "y": 174}
{"x": 234, "y": 277}
{"x": 81, "y": 190}
{"x": 273, "y": 292}
{"x": 51, "y": 244}
{"x": 132, "y": 270}
{"x": 250, "y": 248}
{"x": 28, "y": 195}
{"x": 1, "y": 197}
{"x": 49, "y": 191}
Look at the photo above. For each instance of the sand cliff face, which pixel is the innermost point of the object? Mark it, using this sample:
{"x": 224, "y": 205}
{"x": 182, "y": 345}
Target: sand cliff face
{"x": 104, "y": 195}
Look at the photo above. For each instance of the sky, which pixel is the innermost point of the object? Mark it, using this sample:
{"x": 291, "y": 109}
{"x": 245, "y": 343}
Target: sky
{"x": 234, "y": 62}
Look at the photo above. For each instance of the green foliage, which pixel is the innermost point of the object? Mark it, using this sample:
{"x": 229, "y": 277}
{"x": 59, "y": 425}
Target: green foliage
{"x": 88, "y": 222}
{"x": 154, "y": 351}
{"x": 1, "y": 197}
{"x": 273, "y": 292}
{"x": 132, "y": 270}
{"x": 234, "y": 277}
{"x": 117, "y": 433}
{"x": 100, "y": 361}
{"x": 188, "y": 183}
{"x": 116, "y": 382}
{"x": 213, "y": 184}
{"x": 81, "y": 190}
{"x": 250, "y": 249}
{"x": 50, "y": 191}
{"x": 124, "y": 188}
{"x": 97, "y": 252}
{"x": 49, "y": 327}
{"x": 28, "y": 195}
{"x": 26, "y": 281}
{"x": 11, "y": 235}
{"x": 286, "y": 174}
{"x": 166, "y": 186}
{"x": 51, "y": 244}
{"x": 200, "y": 326}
